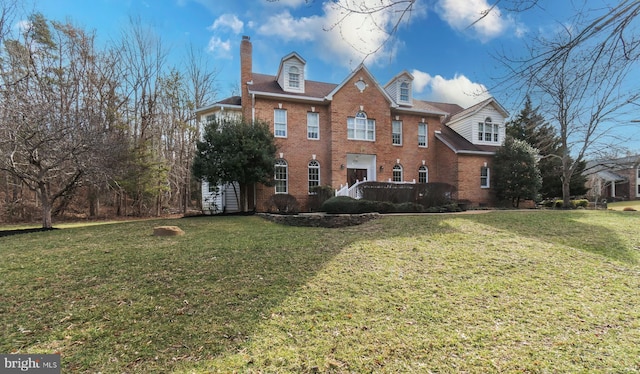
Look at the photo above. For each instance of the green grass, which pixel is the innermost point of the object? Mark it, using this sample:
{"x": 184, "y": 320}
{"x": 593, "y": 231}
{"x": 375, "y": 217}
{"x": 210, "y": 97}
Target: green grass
{"x": 538, "y": 291}
{"x": 620, "y": 205}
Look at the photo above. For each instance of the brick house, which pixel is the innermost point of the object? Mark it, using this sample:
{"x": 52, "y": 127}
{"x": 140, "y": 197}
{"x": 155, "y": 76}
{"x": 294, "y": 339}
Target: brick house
{"x": 337, "y": 134}
{"x": 614, "y": 179}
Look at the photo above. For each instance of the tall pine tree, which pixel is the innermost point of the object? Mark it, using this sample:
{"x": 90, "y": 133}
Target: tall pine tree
{"x": 531, "y": 127}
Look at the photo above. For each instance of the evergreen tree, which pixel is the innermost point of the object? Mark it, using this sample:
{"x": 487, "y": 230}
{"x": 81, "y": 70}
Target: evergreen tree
{"x": 531, "y": 127}
{"x": 517, "y": 174}
{"x": 236, "y": 151}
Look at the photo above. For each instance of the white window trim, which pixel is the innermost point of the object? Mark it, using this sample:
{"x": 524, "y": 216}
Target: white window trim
{"x": 426, "y": 135}
{"x": 393, "y": 133}
{"x": 316, "y": 165}
{"x": 317, "y": 116}
{"x": 293, "y": 72}
{"x": 369, "y": 127}
{"x": 396, "y": 168}
{"x": 487, "y": 184}
{"x": 400, "y": 100}
{"x": 275, "y": 124}
{"x": 424, "y": 169}
{"x": 494, "y": 132}
{"x": 282, "y": 163}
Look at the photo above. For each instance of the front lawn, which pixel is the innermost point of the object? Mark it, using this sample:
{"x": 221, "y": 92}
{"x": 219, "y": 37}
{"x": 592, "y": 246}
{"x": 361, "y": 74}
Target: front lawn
{"x": 530, "y": 291}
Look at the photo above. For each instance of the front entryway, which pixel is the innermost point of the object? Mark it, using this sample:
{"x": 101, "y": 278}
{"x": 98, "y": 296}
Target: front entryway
{"x": 356, "y": 175}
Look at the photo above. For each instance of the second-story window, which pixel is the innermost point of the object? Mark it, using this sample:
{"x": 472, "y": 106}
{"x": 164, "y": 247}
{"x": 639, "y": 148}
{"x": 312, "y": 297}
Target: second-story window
{"x": 396, "y": 132}
{"x": 361, "y": 128}
{"x": 313, "y": 125}
{"x": 280, "y": 123}
{"x": 422, "y": 135}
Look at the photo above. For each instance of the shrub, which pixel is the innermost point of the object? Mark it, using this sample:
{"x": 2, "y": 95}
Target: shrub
{"x": 581, "y": 203}
{"x": 408, "y": 208}
{"x": 283, "y": 204}
{"x": 320, "y": 195}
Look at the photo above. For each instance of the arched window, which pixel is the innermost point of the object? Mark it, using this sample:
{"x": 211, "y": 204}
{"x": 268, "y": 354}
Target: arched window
{"x": 294, "y": 77}
{"x": 488, "y": 131}
{"x": 397, "y": 173}
{"x": 314, "y": 176}
{"x": 404, "y": 92}
{"x": 423, "y": 174}
{"x": 360, "y": 127}
{"x": 282, "y": 176}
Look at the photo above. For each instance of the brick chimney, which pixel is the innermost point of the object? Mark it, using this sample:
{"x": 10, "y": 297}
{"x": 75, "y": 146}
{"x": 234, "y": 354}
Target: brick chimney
{"x": 246, "y": 74}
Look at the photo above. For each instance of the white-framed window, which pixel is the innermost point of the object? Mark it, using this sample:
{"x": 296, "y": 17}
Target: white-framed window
{"x": 423, "y": 174}
{"x": 361, "y": 128}
{"x": 282, "y": 176}
{"x": 313, "y": 125}
{"x": 210, "y": 118}
{"x": 280, "y": 123}
{"x": 488, "y": 131}
{"x": 314, "y": 176}
{"x": 397, "y": 173}
{"x": 294, "y": 77}
{"x": 422, "y": 135}
{"x": 485, "y": 175}
{"x": 396, "y": 132}
{"x": 404, "y": 92}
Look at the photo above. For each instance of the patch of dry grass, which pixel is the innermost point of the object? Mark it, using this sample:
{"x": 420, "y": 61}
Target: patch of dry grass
{"x": 550, "y": 291}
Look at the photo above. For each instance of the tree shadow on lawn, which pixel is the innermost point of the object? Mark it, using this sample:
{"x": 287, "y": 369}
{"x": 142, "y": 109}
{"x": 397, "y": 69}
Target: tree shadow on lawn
{"x": 117, "y": 299}
{"x": 566, "y": 228}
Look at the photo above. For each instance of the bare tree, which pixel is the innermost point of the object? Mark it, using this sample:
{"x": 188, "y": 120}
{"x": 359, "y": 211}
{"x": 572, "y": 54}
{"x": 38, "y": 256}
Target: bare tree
{"x": 580, "y": 78}
{"x": 49, "y": 130}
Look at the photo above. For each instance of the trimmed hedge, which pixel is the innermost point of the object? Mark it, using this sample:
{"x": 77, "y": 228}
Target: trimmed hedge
{"x": 348, "y": 205}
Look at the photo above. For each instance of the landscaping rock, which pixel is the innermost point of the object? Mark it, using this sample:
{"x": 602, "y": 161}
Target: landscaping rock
{"x": 167, "y": 231}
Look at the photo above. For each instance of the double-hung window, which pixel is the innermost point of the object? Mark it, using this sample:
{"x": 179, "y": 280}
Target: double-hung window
{"x": 396, "y": 132}
{"x": 281, "y": 176}
{"x": 484, "y": 177}
{"x": 361, "y": 128}
{"x": 314, "y": 176}
{"x": 313, "y": 125}
{"x": 422, "y": 135}
{"x": 280, "y": 123}
{"x": 294, "y": 77}
{"x": 404, "y": 92}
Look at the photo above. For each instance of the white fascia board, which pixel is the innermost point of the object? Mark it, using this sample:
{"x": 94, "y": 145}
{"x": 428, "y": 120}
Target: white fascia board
{"x": 413, "y": 110}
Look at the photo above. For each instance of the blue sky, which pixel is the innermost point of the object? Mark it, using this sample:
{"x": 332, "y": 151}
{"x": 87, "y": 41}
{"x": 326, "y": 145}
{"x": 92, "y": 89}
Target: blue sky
{"x": 451, "y": 59}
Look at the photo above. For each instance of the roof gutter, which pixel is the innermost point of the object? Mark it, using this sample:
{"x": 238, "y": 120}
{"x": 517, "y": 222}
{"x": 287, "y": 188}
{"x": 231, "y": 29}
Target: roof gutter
{"x": 290, "y": 97}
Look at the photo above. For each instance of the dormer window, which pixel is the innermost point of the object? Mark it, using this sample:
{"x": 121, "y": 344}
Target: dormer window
{"x": 404, "y": 92}
{"x": 488, "y": 131}
{"x": 294, "y": 77}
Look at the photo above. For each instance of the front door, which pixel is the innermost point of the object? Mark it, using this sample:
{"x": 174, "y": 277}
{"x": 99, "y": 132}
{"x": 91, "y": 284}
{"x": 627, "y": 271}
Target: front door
{"x": 354, "y": 175}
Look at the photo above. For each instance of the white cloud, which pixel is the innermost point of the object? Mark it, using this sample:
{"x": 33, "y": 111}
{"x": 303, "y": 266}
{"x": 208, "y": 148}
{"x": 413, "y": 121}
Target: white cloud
{"x": 465, "y": 16}
{"x": 288, "y": 28}
{"x": 285, "y": 3}
{"x": 346, "y": 37}
{"x": 229, "y": 21}
{"x": 219, "y": 47}
{"x": 459, "y": 90}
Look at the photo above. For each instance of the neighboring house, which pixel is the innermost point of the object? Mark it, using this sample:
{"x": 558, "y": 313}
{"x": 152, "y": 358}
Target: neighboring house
{"x": 338, "y": 134}
{"x": 614, "y": 179}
